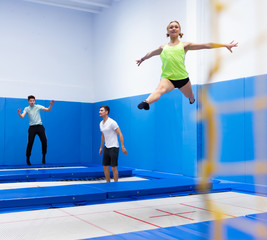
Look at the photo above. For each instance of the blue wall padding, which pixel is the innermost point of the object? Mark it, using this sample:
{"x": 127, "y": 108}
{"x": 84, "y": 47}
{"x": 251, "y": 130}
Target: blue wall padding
{"x": 137, "y": 129}
{"x": 2, "y": 130}
{"x": 15, "y": 133}
{"x": 161, "y": 139}
{"x": 86, "y": 133}
{"x": 230, "y": 126}
{"x": 236, "y": 130}
{"x": 64, "y": 132}
{"x": 68, "y": 128}
{"x": 166, "y": 138}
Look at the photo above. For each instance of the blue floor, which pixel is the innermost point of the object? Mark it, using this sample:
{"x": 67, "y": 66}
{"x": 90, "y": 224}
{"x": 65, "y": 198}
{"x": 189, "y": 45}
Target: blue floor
{"x": 86, "y": 193}
{"x": 195, "y": 231}
{"x": 157, "y": 183}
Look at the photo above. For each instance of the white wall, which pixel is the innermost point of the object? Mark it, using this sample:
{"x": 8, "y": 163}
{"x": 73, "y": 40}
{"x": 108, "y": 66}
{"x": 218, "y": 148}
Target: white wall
{"x": 70, "y": 55}
{"x": 45, "y": 51}
{"x": 244, "y": 22}
{"x": 124, "y": 33}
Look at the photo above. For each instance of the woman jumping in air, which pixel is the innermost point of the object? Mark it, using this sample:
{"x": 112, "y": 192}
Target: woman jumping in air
{"x": 174, "y": 74}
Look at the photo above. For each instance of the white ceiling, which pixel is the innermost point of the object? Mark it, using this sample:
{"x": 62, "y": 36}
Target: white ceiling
{"x": 91, "y": 6}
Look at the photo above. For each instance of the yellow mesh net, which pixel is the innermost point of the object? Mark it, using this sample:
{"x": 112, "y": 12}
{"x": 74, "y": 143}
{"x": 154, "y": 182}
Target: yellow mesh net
{"x": 209, "y": 113}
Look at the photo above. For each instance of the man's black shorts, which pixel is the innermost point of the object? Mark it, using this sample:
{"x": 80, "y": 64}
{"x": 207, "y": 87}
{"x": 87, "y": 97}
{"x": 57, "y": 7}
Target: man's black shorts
{"x": 110, "y": 157}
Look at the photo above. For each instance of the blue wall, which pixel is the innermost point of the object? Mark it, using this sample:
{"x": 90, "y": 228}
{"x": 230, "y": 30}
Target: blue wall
{"x": 68, "y": 130}
{"x": 2, "y": 129}
{"x": 166, "y": 138}
{"x": 236, "y": 130}
{"x": 161, "y": 139}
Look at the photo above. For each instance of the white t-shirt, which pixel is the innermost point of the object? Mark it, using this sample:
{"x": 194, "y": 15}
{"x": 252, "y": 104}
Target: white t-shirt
{"x": 108, "y": 129}
{"x": 34, "y": 114}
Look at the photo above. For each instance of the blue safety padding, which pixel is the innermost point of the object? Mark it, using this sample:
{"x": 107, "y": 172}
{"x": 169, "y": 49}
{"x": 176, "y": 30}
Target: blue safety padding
{"x": 49, "y": 195}
{"x": 170, "y": 233}
{"x": 90, "y": 192}
{"x": 54, "y": 165}
{"x": 259, "y": 217}
{"x": 21, "y": 175}
{"x": 229, "y": 232}
{"x": 243, "y": 187}
{"x": 195, "y": 231}
{"x": 66, "y": 173}
{"x": 158, "y": 175}
{"x": 259, "y": 189}
{"x": 221, "y": 186}
{"x": 141, "y": 188}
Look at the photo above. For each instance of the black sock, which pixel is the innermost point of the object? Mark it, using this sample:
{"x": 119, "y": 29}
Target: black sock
{"x": 143, "y": 105}
{"x": 28, "y": 161}
{"x": 191, "y": 102}
{"x": 43, "y": 161}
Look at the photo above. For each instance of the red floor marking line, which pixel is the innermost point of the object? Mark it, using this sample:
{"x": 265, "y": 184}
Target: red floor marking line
{"x": 173, "y": 214}
{"x": 204, "y": 209}
{"x": 88, "y": 222}
{"x": 140, "y": 220}
{"x": 124, "y": 209}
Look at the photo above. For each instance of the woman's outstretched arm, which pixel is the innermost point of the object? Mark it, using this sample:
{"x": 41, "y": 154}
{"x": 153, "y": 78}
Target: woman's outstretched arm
{"x": 199, "y": 46}
{"x": 150, "y": 54}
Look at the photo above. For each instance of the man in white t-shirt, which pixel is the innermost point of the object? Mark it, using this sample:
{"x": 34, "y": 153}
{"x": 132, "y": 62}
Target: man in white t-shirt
{"x": 110, "y": 130}
{"x": 36, "y": 126}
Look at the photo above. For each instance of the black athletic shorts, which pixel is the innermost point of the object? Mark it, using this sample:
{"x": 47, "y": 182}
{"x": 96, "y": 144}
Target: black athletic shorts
{"x": 179, "y": 83}
{"x": 110, "y": 156}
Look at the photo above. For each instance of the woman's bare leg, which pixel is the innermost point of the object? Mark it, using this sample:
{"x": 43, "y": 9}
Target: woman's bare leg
{"x": 188, "y": 92}
{"x": 164, "y": 86}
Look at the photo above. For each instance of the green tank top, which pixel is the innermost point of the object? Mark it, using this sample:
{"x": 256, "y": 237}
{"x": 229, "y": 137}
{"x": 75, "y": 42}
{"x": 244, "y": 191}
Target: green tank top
{"x": 173, "y": 67}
